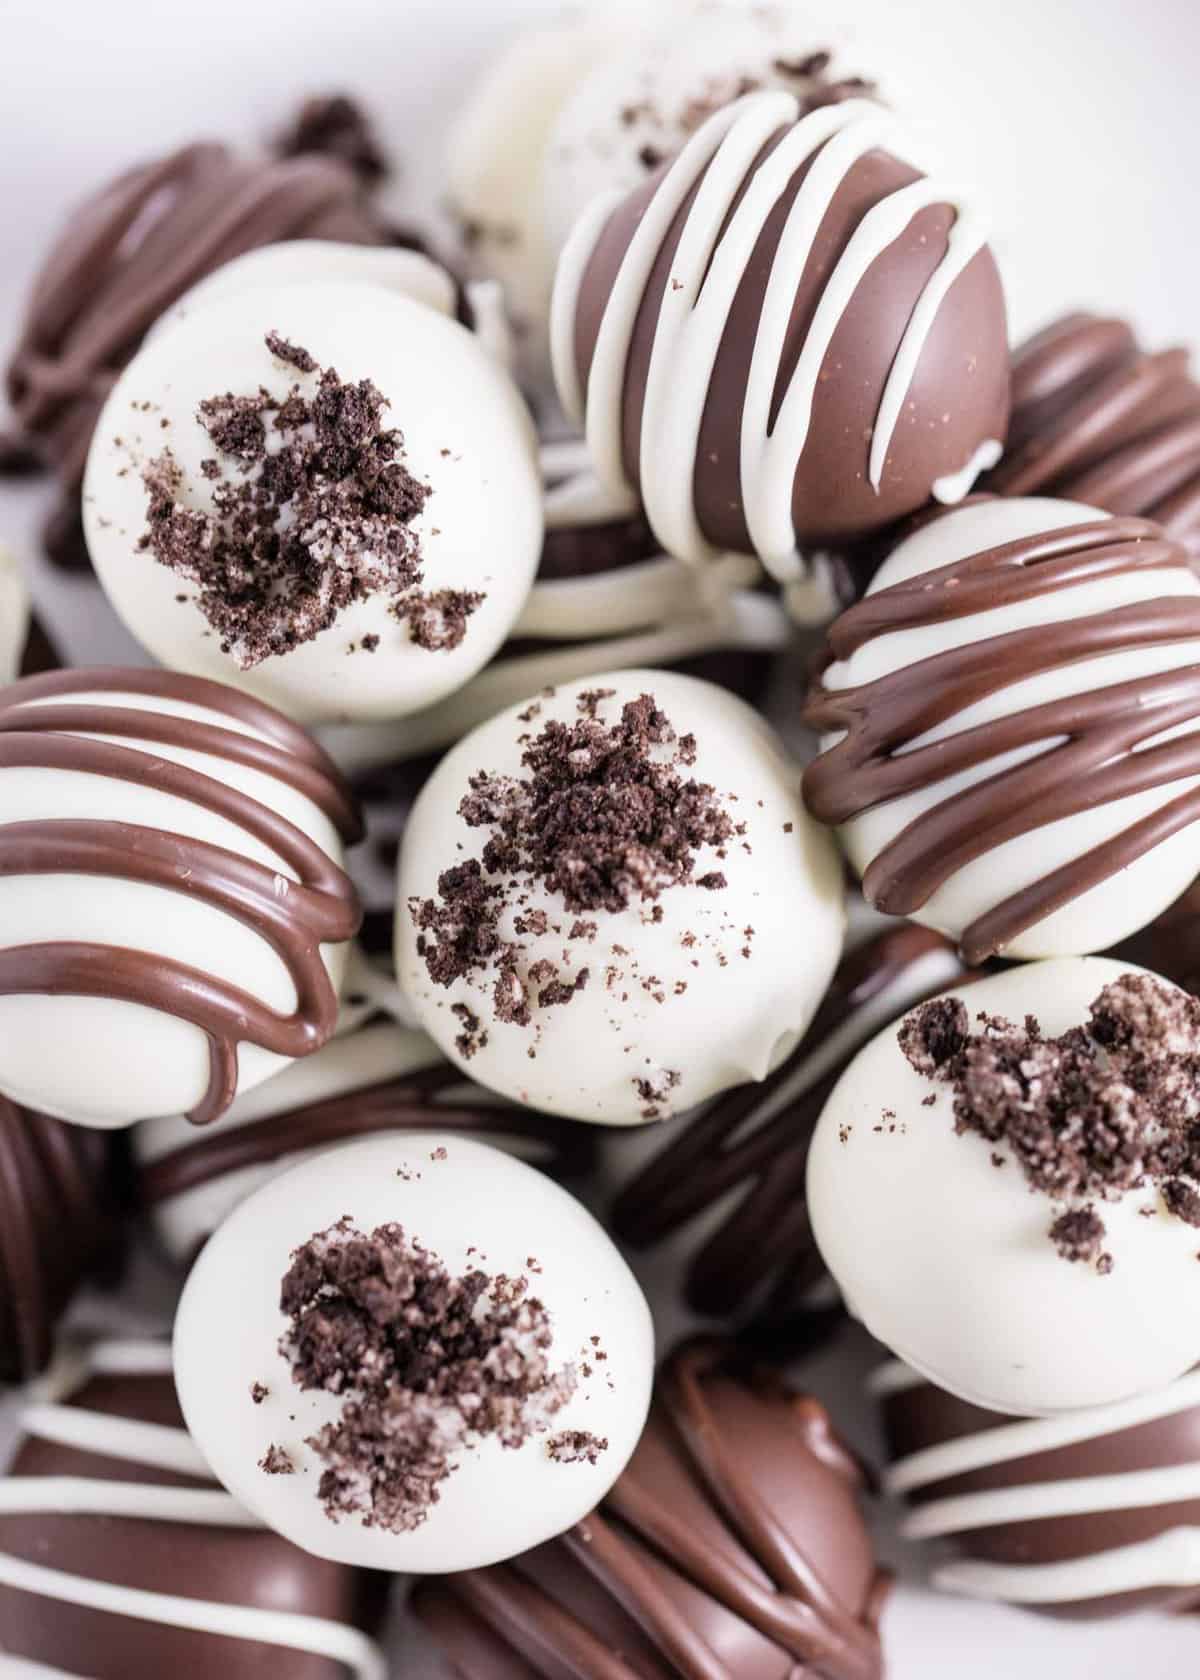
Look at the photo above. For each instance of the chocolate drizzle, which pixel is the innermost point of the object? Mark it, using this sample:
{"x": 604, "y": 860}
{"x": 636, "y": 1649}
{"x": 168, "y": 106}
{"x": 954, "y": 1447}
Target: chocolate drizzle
{"x": 58, "y": 1225}
{"x": 761, "y": 1263}
{"x": 731, "y": 1544}
{"x": 424, "y": 1100}
{"x": 1099, "y": 420}
{"x": 319, "y": 906}
{"x": 1093, "y": 743}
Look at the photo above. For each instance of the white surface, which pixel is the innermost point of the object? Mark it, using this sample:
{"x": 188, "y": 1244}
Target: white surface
{"x": 466, "y": 435}
{"x": 472, "y": 1207}
{"x": 947, "y": 1257}
{"x": 1077, "y": 121}
{"x": 1110, "y": 911}
{"x": 632, "y": 1022}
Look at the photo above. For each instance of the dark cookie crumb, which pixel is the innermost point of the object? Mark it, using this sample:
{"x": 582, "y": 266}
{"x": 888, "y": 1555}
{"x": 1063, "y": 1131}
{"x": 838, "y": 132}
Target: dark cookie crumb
{"x": 576, "y": 1446}
{"x": 1106, "y": 1108}
{"x": 426, "y": 1364}
{"x": 259, "y": 1392}
{"x": 276, "y": 1462}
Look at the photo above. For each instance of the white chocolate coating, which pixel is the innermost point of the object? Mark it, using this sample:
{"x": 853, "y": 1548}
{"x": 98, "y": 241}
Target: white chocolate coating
{"x": 14, "y": 616}
{"x": 707, "y": 269}
{"x": 947, "y": 1258}
{"x": 474, "y": 1207}
{"x": 466, "y": 433}
{"x": 1117, "y": 907}
{"x": 102, "y": 1061}
{"x": 738, "y": 1017}
{"x": 47, "y": 1418}
{"x": 1169, "y": 1559}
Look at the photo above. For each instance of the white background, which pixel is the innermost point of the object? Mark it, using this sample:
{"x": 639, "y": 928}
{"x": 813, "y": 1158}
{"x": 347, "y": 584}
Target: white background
{"x": 1075, "y": 118}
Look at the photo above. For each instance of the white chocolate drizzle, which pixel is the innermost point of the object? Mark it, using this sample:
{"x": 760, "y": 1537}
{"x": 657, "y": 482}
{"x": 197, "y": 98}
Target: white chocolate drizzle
{"x": 163, "y": 1448}
{"x": 717, "y": 164}
{"x": 1170, "y": 1559}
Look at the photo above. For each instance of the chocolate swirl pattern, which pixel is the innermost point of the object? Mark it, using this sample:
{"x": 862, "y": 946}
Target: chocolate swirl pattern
{"x": 120, "y": 1556}
{"x": 1098, "y": 419}
{"x": 1011, "y": 716}
{"x": 378, "y": 1078}
{"x": 195, "y": 763}
{"x": 58, "y": 1227}
{"x": 733, "y": 1544}
{"x": 1091, "y": 1513}
{"x": 697, "y": 325}
{"x": 730, "y": 1182}
{"x": 133, "y": 249}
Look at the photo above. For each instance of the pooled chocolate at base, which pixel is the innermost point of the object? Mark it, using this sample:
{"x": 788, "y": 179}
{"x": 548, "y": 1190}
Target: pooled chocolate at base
{"x": 733, "y": 1544}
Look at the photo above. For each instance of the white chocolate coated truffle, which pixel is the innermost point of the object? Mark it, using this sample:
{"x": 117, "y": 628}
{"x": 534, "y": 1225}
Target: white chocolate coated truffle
{"x": 14, "y": 615}
{"x": 166, "y": 931}
{"x": 688, "y": 993}
{"x": 466, "y": 435}
{"x": 946, "y": 1257}
{"x": 472, "y": 1207}
{"x": 1072, "y": 659}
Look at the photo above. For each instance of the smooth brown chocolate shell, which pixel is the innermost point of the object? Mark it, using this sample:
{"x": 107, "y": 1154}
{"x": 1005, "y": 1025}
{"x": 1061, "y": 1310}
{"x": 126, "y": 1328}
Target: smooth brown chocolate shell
{"x": 733, "y": 1544}
{"x": 234, "y": 1566}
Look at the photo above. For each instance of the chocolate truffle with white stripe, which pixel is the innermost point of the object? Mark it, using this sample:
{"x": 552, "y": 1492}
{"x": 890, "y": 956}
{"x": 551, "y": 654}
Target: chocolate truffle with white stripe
{"x": 734, "y": 1544}
{"x": 175, "y": 916}
{"x": 788, "y": 336}
{"x": 1097, "y": 419}
{"x": 1093, "y": 1513}
{"x": 1009, "y": 720}
{"x": 724, "y": 1195}
{"x": 120, "y": 1557}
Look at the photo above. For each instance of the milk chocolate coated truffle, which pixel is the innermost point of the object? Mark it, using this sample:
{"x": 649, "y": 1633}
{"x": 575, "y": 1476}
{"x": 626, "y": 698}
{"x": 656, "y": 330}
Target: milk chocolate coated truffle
{"x": 59, "y": 1228}
{"x": 726, "y": 1191}
{"x": 377, "y": 1077}
{"x": 120, "y": 1557}
{"x": 174, "y": 913}
{"x": 415, "y": 1354}
{"x": 1094, "y": 1513}
{"x": 130, "y": 252}
{"x": 1005, "y": 1186}
{"x": 733, "y": 1544}
{"x": 787, "y": 337}
{"x": 1097, "y": 419}
{"x": 1003, "y": 727}
{"x": 599, "y": 897}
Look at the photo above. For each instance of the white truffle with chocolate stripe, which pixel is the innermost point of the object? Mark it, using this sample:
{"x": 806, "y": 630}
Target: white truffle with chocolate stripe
{"x": 557, "y": 1356}
{"x": 642, "y": 976}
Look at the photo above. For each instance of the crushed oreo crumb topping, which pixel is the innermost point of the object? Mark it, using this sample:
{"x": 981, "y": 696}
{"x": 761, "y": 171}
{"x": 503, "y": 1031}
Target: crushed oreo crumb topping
{"x": 605, "y": 816}
{"x": 425, "y": 1365}
{"x": 1108, "y": 1107}
{"x": 576, "y": 1446}
{"x": 313, "y": 509}
{"x": 276, "y": 1462}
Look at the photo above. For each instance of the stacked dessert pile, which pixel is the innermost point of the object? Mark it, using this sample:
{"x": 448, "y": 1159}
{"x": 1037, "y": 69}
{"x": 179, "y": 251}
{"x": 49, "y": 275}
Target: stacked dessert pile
{"x": 519, "y": 640}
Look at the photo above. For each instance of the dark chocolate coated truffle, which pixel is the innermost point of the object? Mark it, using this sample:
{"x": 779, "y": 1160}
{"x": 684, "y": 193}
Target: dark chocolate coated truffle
{"x": 788, "y": 336}
{"x": 733, "y": 1544}
{"x": 58, "y": 1227}
{"x": 1097, "y": 419}
{"x": 113, "y": 1538}
{"x": 730, "y": 1181}
{"x": 1085, "y": 1514}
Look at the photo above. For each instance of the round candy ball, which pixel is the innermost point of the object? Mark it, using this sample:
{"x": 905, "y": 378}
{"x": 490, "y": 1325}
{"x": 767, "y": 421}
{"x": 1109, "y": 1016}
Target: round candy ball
{"x": 1014, "y": 1214}
{"x": 788, "y": 336}
{"x": 173, "y": 911}
{"x": 324, "y": 493}
{"x": 414, "y": 1354}
{"x": 612, "y": 905}
{"x": 1004, "y": 718}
